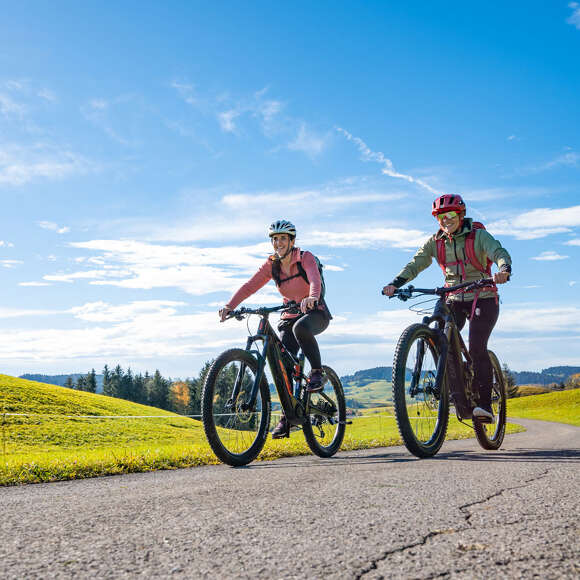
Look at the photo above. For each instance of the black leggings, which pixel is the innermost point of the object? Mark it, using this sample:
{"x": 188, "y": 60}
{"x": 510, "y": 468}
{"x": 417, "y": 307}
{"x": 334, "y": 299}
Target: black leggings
{"x": 480, "y": 327}
{"x": 298, "y": 333}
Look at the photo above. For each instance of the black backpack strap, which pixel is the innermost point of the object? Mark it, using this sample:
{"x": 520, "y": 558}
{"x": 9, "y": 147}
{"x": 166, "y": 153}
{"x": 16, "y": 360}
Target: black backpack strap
{"x": 277, "y": 271}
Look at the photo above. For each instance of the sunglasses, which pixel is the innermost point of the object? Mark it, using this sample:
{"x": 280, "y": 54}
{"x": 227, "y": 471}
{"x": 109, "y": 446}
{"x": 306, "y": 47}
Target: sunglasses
{"x": 447, "y": 215}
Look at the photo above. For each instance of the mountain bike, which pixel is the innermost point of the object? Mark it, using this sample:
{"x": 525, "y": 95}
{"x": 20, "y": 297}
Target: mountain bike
{"x": 432, "y": 367}
{"x": 236, "y": 403}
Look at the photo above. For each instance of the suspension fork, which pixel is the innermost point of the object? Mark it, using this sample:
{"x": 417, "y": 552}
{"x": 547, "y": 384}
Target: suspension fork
{"x": 416, "y": 376}
{"x": 443, "y": 353}
{"x": 250, "y": 403}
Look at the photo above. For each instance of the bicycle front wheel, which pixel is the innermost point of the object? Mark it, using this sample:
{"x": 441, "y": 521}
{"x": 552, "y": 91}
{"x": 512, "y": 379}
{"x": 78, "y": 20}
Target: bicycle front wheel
{"x": 325, "y": 423}
{"x": 490, "y": 435}
{"x": 422, "y": 410}
{"x": 235, "y": 431}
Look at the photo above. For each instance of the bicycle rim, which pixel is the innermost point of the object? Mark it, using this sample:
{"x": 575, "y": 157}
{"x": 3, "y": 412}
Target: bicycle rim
{"x": 326, "y": 417}
{"x": 490, "y": 435}
{"x": 235, "y": 432}
{"x": 422, "y": 413}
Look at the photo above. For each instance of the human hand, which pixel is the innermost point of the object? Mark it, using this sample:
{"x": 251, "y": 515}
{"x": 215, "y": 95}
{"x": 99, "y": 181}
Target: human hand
{"x": 501, "y": 277}
{"x": 223, "y": 313}
{"x": 389, "y": 290}
{"x": 308, "y": 304}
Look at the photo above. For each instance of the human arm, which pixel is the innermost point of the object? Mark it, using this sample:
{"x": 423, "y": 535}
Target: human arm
{"x": 257, "y": 281}
{"x": 421, "y": 260}
{"x": 492, "y": 248}
{"x": 311, "y": 268}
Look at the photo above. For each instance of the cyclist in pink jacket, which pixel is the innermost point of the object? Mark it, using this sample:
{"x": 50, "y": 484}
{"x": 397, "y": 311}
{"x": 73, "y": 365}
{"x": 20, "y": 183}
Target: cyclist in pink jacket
{"x": 298, "y": 279}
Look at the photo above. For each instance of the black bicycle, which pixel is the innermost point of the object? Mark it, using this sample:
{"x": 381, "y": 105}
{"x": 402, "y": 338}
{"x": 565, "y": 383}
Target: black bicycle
{"x": 432, "y": 367}
{"x": 236, "y": 404}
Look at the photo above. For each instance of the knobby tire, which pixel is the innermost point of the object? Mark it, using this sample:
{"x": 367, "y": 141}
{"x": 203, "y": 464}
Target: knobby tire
{"x": 235, "y": 437}
{"x": 430, "y": 413}
{"x": 323, "y": 437}
{"x": 490, "y": 435}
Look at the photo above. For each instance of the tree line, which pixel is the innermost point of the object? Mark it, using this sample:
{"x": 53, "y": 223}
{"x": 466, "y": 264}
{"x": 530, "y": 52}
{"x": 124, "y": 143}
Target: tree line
{"x": 179, "y": 396}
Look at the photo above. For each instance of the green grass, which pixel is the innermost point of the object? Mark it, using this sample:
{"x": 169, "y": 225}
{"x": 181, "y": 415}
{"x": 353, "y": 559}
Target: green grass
{"x": 561, "y": 407}
{"x": 51, "y": 448}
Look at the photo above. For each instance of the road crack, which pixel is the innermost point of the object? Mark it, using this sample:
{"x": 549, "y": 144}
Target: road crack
{"x": 464, "y": 509}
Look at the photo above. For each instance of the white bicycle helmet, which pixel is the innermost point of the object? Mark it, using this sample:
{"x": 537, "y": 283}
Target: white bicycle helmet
{"x": 282, "y": 227}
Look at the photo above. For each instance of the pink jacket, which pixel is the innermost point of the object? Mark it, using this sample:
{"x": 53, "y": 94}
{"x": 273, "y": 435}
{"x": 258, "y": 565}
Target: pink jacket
{"x": 295, "y": 289}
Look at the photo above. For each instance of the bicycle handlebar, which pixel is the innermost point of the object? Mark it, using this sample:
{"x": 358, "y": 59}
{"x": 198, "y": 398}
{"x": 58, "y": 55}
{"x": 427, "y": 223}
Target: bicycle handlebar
{"x": 406, "y": 293}
{"x": 242, "y": 312}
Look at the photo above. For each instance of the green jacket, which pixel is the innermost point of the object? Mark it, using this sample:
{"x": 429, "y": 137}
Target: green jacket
{"x": 485, "y": 245}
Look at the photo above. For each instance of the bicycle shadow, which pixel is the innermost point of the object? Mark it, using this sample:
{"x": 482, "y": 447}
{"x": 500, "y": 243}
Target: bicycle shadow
{"x": 529, "y": 455}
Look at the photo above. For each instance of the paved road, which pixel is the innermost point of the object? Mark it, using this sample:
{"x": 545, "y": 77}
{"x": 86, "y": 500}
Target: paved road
{"x": 372, "y": 514}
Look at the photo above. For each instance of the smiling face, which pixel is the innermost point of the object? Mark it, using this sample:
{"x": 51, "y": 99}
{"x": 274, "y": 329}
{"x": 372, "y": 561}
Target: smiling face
{"x": 282, "y": 244}
{"x": 450, "y": 221}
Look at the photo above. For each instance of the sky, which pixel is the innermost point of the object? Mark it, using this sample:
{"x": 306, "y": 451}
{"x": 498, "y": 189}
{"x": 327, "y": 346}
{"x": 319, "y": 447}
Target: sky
{"x": 145, "y": 147}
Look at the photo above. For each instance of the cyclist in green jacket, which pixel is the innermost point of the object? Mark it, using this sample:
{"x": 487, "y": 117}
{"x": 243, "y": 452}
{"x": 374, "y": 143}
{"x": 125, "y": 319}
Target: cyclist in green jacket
{"x": 465, "y": 251}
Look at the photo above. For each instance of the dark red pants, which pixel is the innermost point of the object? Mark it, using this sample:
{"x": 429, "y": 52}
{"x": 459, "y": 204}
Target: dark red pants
{"x": 480, "y": 327}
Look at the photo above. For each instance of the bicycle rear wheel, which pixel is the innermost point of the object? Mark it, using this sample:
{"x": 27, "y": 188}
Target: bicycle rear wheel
{"x": 422, "y": 412}
{"x": 325, "y": 423}
{"x": 235, "y": 432}
{"x": 490, "y": 435}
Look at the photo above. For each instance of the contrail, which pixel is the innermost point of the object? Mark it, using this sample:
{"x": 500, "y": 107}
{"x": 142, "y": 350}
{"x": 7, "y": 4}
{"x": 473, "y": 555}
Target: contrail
{"x": 388, "y": 168}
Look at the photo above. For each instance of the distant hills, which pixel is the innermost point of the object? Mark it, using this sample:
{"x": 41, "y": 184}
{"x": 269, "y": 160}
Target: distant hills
{"x": 545, "y": 377}
{"x": 60, "y": 380}
{"x": 367, "y": 387}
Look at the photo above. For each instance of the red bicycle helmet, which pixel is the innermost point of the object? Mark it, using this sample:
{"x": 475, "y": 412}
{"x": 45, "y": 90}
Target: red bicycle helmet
{"x": 448, "y": 202}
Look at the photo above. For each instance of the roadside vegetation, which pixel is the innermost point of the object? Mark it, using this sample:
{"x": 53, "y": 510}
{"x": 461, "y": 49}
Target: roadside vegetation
{"x": 67, "y": 434}
{"x": 559, "y": 406}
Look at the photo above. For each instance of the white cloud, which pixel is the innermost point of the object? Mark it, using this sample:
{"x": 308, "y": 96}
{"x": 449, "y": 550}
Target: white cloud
{"x": 368, "y": 237}
{"x": 33, "y": 284}
{"x": 141, "y": 265}
{"x": 47, "y": 95}
{"x": 19, "y": 313}
{"x": 4, "y": 244}
{"x": 20, "y": 165}
{"x": 103, "y": 312}
{"x": 45, "y": 225}
{"x": 378, "y": 157}
{"x": 10, "y": 263}
{"x": 572, "y": 283}
{"x": 574, "y": 18}
{"x": 549, "y": 256}
{"x": 308, "y": 142}
{"x": 512, "y": 138}
{"x": 538, "y": 223}
{"x": 226, "y": 120}
{"x": 537, "y": 319}
{"x": 569, "y": 159}
{"x": 10, "y": 108}
{"x": 574, "y": 242}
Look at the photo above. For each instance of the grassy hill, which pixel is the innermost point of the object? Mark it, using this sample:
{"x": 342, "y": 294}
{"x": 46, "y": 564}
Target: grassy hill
{"x": 560, "y": 406}
{"x": 50, "y": 433}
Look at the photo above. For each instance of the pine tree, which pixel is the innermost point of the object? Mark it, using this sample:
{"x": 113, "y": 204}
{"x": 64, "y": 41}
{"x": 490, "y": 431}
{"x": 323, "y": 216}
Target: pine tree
{"x": 107, "y": 387}
{"x": 139, "y": 389}
{"x": 158, "y": 391}
{"x": 91, "y": 382}
{"x": 127, "y": 386}
{"x": 81, "y": 383}
{"x": 510, "y": 383}
{"x": 115, "y": 382}
{"x": 69, "y": 383}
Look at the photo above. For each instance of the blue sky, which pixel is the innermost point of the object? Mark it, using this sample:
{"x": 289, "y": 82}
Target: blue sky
{"x": 144, "y": 149}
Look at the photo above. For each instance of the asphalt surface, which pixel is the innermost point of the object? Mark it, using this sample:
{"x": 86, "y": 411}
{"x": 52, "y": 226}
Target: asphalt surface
{"x": 380, "y": 513}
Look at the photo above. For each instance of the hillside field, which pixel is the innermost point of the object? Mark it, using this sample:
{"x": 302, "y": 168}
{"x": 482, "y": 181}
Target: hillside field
{"x": 64, "y": 434}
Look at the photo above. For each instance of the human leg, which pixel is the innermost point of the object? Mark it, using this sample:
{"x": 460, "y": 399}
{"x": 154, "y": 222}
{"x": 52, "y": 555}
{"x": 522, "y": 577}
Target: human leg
{"x": 480, "y": 327}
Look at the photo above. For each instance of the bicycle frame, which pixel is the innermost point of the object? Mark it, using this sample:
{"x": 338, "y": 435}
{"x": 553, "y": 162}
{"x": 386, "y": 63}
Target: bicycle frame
{"x": 273, "y": 353}
{"x": 454, "y": 359}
